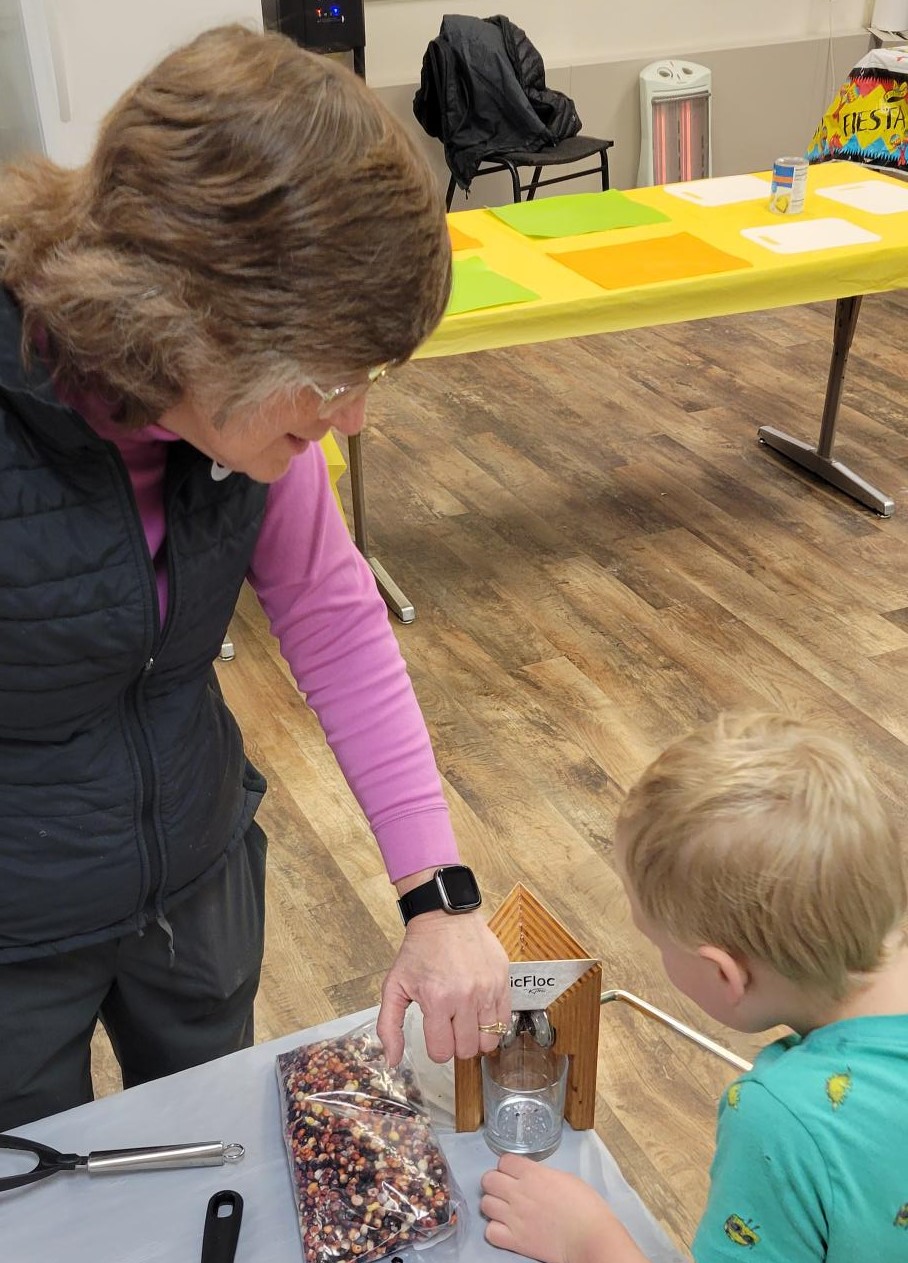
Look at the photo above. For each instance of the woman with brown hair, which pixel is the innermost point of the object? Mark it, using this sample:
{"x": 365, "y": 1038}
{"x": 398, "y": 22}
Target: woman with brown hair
{"x": 253, "y": 243}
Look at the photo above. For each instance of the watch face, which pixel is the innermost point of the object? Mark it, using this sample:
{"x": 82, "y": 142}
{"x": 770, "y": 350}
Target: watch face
{"x": 458, "y": 887}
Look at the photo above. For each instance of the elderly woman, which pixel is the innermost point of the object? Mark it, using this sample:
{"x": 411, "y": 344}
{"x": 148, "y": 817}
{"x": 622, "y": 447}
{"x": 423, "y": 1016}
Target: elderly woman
{"x": 253, "y": 242}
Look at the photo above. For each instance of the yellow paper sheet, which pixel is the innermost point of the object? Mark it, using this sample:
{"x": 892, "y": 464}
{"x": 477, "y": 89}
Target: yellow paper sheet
{"x": 460, "y": 240}
{"x": 649, "y": 262}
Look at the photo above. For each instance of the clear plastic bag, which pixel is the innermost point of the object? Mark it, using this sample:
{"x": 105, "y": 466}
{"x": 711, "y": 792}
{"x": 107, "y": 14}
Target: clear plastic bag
{"x": 369, "y": 1175}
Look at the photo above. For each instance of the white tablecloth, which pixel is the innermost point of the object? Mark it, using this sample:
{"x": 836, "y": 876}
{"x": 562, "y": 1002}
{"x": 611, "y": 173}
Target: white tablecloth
{"x": 157, "y": 1216}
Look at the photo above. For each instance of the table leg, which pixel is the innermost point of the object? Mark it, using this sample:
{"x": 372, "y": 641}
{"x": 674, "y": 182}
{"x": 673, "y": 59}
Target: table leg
{"x": 395, "y": 600}
{"x": 819, "y": 459}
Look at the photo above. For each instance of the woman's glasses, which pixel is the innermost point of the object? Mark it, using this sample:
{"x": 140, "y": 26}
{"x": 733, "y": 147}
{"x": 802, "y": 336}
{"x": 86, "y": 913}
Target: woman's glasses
{"x": 336, "y": 398}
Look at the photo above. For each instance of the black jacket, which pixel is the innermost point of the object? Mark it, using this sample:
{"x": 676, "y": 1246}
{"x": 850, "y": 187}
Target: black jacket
{"x": 482, "y": 92}
{"x": 123, "y": 780}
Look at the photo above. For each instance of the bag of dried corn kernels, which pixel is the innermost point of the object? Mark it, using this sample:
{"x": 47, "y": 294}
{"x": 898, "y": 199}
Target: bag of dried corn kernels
{"x": 369, "y": 1175}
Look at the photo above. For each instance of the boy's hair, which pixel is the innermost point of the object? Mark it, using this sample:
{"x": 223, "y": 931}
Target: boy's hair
{"x": 252, "y": 218}
{"x": 760, "y": 836}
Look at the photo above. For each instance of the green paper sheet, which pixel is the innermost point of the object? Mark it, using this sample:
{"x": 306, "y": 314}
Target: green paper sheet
{"x": 477, "y": 286}
{"x": 577, "y": 213}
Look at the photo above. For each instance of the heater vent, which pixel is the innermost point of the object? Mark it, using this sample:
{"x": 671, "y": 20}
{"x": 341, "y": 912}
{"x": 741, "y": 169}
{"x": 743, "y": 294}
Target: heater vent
{"x": 674, "y": 123}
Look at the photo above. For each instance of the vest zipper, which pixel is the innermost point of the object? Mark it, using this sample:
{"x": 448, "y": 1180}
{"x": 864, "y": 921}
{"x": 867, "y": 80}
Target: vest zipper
{"x": 148, "y": 791}
{"x": 154, "y": 865}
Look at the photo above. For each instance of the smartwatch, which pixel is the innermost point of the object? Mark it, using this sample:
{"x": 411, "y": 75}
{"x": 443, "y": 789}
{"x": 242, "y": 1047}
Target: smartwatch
{"x": 453, "y": 887}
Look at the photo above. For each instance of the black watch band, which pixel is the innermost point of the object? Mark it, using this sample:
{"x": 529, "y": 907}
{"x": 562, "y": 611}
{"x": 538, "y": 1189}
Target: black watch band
{"x": 452, "y": 887}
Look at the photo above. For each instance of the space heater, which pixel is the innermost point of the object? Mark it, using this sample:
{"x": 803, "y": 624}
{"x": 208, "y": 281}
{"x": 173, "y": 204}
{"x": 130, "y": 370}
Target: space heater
{"x": 674, "y": 122}
{"x": 890, "y": 16}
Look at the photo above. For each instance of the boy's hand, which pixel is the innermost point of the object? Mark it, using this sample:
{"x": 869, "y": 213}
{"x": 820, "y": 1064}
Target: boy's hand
{"x": 551, "y": 1216}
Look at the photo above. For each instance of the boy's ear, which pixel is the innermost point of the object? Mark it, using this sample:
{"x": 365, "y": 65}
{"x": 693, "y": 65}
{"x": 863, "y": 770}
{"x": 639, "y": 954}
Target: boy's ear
{"x": 732, "y": 975}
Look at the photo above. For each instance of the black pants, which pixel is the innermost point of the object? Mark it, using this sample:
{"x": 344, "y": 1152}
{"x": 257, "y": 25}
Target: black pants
{"x": 163, "y": 1011}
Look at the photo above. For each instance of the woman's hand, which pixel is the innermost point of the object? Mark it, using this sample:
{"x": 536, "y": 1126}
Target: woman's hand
{"x": 455, "y": 969}
{"x": 550, "y": 1215}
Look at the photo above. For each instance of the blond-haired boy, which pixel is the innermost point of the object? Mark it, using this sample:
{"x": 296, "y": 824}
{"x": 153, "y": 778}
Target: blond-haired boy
{"x": 759, "y": 860}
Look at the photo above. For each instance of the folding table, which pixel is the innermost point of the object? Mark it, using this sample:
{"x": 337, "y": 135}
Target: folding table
{"x": 157, "y": 1216}
{"x": 715, "y": 250}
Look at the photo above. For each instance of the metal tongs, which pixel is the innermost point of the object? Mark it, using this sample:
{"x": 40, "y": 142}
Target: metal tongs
{"x": 206, "y": 1153}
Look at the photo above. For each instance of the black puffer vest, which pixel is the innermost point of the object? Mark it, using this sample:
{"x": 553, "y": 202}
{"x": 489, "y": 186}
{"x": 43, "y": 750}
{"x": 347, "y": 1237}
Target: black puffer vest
{"x": 123, "y": 781}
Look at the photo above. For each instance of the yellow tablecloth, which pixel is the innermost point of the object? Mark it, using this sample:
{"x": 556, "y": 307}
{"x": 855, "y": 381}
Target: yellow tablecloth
{"x": 336, "y": 465}
{"x": 570, "y": 305}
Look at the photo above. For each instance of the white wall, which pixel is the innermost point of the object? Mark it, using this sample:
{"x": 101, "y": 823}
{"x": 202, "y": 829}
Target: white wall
{"x": 63, "y": 63}
{"x": 773, "y": 72}
{"x": 106, "y": 45}
{"x": 567, "y": 32}
{"x": 19, "y": 128}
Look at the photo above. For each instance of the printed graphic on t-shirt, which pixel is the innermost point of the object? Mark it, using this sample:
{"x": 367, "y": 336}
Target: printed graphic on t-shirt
{"x": 741, "y": 1233}
{"x": 901, "y": 1216}
{"x": 837, "y": 1088}
{"x": 733, "y": 1096}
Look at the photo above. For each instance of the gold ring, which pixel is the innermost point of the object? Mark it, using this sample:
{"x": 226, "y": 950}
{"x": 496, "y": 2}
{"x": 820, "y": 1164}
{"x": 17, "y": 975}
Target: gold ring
{"x": 494, "y": 1028}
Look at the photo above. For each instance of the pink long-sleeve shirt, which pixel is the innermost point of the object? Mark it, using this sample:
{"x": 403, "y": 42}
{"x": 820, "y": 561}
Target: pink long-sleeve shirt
{"x": 321, "y": 601}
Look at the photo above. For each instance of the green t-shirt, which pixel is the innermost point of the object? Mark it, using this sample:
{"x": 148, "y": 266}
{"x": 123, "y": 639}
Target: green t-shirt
{"x": 812, "y": 1151}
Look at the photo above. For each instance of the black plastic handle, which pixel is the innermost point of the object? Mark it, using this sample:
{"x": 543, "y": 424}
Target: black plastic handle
{"x": 222, "y": 1227}
{"x": 48, "y": 1161}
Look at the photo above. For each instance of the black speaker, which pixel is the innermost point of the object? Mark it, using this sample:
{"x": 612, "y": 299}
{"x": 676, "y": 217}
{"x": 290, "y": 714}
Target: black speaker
{"x": 324, "y": 26}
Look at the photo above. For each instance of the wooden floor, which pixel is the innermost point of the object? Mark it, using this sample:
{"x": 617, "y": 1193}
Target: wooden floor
{"x": 601, "y": 555}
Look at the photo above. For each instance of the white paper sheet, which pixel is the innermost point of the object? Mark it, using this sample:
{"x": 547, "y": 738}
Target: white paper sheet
{"x": 721, "y": 191}
{"x": 876, "y": 198}
{"x": 809, "y": 234}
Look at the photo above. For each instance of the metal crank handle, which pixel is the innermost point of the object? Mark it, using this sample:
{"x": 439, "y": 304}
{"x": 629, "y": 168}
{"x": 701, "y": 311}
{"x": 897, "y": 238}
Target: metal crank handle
{"x": 207, "y": 1153}
{"x": 679, "y": 1027}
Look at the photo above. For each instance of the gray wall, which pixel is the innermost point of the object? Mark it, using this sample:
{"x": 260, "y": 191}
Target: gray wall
{"x": 767, "y": 100}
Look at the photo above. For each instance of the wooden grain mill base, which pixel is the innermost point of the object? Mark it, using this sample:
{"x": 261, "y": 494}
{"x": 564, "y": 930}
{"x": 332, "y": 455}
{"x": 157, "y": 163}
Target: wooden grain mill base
{"x": 529, "y": 932}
